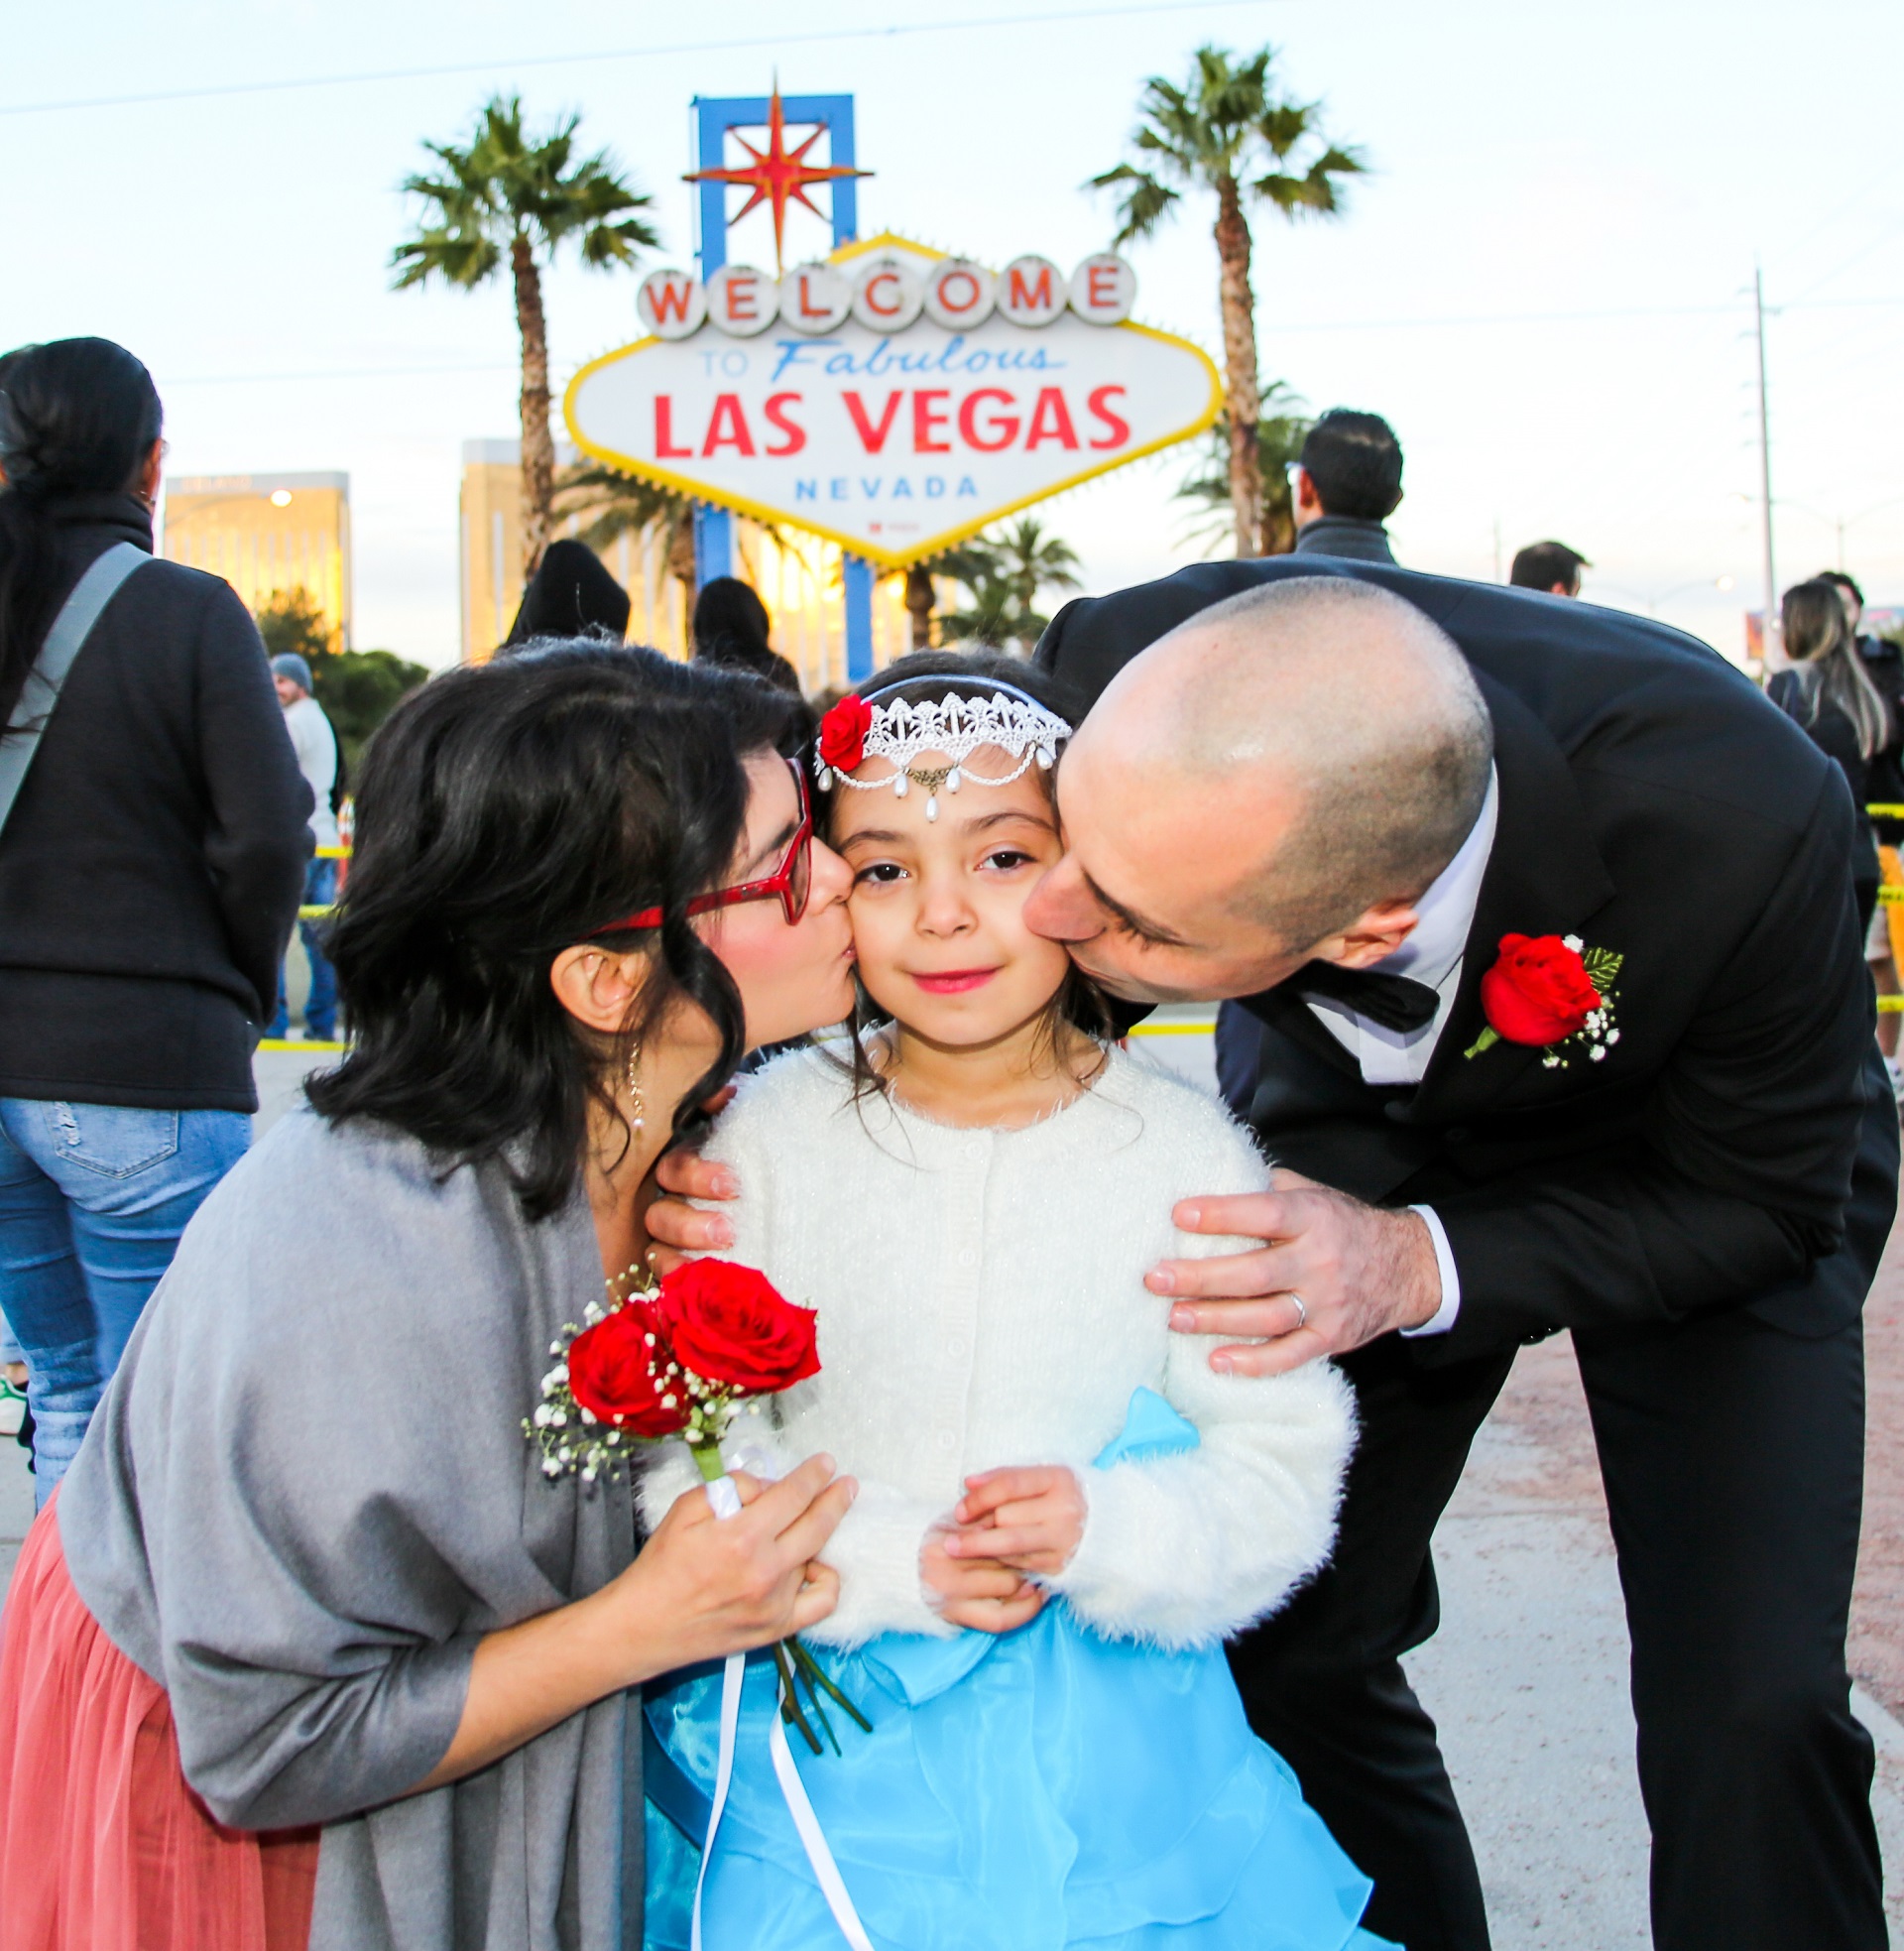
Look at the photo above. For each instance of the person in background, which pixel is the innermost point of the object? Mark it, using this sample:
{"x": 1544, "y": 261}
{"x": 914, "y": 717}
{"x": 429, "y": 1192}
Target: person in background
{"x": 1346, "y": 486}
{"x": 1884, "y": 666}
{"x": 1828, "y": 690}
{"x": 150, "y": 869}
{"x": 571, "y": 594}
{"x": 315, "y": 744}
{"x": 1548, "y": 566}
{"x": 732, "y": 627}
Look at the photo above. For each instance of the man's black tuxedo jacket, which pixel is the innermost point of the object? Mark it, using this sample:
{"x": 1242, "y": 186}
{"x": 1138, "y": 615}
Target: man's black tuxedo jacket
{"x": 1738, "y": 1146}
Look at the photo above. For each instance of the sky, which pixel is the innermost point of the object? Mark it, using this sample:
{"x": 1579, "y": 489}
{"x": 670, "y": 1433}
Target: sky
{"x": 1543, "y": 283}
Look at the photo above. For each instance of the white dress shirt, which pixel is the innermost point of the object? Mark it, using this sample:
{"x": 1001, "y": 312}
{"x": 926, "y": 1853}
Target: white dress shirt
{"x": 1432, "y": 954}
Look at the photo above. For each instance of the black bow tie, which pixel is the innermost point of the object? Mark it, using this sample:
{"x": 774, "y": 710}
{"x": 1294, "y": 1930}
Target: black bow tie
{"x": 1395, "y": 1002}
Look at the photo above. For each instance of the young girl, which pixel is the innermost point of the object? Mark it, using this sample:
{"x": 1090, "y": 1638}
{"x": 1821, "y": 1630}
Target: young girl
{"x": 1062, "y": 1511}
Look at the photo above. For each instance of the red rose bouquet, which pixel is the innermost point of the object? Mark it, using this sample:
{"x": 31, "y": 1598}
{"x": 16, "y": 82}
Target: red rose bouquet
{"x": 679, "y": 1360}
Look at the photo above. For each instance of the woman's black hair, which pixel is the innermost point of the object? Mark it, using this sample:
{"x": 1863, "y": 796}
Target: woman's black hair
{"x": 933, "y": 674}
{"x": 77, "y": 417}
{"x": 507, "y": 812}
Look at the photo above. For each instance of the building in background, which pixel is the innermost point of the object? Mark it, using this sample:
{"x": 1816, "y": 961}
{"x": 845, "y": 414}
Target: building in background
{"x": 797, "y": 575}
{"x": 266, "y": 535}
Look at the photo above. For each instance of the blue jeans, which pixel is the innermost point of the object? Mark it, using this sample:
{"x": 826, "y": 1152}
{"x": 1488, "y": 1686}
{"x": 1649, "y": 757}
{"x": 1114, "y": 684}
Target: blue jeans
{"x": 321, "y": 1006}
{"x": 93, "y": 1200}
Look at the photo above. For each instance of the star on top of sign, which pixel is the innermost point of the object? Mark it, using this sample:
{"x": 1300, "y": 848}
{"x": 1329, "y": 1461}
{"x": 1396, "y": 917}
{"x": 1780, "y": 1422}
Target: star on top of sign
{"x": 776, "y": 175}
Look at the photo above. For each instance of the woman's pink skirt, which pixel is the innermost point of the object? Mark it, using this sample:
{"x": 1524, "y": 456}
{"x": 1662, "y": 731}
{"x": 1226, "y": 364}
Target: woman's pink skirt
{"x": 103, "y": 1846}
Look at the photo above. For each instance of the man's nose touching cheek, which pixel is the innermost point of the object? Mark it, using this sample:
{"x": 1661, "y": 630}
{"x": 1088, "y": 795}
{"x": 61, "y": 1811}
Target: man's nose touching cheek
{"x": 1049, "y": 910}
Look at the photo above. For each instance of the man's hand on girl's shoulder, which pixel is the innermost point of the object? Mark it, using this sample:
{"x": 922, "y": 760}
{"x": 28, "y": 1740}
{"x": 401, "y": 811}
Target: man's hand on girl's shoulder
{"x": 673, "y": 1226}
{"x": 1334, "y": 1274}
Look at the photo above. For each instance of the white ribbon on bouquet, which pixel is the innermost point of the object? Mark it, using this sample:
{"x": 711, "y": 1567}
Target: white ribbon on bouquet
{"x": 725, "y": 1500}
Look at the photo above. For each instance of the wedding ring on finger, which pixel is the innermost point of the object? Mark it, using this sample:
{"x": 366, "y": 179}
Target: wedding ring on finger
{"x": 1302, "y": 1312}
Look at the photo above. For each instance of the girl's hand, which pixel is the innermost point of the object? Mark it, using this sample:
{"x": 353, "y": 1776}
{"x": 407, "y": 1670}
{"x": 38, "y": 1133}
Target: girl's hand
{"x": 976, "y": 1592}
{"x": 1031, "y": 1520}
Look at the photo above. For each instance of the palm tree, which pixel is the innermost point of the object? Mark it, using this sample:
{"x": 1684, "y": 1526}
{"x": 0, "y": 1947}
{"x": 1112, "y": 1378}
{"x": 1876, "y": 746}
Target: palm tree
{"x": 1032, "y": 562}
{"x": 1005, "y": 571}
{"x": 510, "y": 194}
{"x": 1280, "y": 434}
{"x": 970, "y": 562}
{"x": 992, "y": 617}
{"x": 1217, "y": 133}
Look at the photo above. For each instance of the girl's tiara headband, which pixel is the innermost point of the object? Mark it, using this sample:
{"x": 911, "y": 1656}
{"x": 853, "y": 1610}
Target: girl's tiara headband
{"x": 856, "y": 729}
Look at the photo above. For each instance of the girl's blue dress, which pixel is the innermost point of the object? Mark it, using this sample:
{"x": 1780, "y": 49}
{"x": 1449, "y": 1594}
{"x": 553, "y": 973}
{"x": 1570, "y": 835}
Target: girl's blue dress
{"x": 1038, "y": 1789}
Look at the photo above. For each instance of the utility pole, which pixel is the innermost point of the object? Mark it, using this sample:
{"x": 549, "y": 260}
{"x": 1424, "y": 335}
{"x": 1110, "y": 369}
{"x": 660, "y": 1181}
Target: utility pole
{"x": 1769, "y": 633}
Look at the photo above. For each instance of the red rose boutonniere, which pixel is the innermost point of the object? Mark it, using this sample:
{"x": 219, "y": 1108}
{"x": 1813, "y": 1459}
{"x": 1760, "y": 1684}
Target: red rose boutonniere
{"x": 843, "y": 734}
{"x": 1547, "y": 992}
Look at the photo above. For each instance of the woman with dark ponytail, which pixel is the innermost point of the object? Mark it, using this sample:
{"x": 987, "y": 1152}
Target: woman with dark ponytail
{"x": 152, "y": 850}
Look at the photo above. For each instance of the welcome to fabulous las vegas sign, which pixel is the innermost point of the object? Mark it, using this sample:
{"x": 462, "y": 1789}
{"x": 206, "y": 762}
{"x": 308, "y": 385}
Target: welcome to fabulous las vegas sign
{"x": 890, "y": 398}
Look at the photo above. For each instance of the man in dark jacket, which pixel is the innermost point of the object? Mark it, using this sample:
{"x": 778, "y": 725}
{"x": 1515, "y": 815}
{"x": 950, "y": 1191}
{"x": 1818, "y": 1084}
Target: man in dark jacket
{"x": 1348, "y": 484}
{"x": 1546, "y": 918}
{"x": 150, "y": 873}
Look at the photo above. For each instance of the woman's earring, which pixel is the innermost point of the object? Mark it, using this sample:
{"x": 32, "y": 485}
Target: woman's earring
{"x": 634, "y": 1084}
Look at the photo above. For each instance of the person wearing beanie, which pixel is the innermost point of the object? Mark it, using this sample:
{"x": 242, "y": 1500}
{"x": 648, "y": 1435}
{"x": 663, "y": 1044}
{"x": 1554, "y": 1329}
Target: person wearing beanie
{"x": 315, "y": 745}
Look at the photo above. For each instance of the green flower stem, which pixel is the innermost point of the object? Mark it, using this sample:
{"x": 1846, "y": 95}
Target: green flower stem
{"x": 1487, "y": 1039}
{"x": 707, "y": 1460}
{"x": 817, "y": 1675}
{"x": 790, "y": 1699}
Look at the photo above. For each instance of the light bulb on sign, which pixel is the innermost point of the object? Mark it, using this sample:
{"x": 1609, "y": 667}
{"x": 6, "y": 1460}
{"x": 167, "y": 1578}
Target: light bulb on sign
{"x": 281, "y": 498}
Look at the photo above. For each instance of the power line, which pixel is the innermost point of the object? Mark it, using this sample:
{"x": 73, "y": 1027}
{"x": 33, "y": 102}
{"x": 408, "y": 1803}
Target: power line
{"x": 1268, "y": 327}
{"x": 952, "y": 24}
{"x": 1596, "y": 316}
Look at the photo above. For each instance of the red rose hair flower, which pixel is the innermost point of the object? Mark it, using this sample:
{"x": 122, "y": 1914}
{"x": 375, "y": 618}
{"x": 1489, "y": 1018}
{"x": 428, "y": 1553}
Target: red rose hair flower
{"x": 843, "y": 734}
{"x": 1539, "y": 992}
{"x": 616, "y": 1372}
{"x": 731, "y": 1326}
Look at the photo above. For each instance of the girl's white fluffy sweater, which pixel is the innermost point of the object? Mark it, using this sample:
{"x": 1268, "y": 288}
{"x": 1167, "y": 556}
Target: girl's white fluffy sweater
{"x": 982, "y": 1304}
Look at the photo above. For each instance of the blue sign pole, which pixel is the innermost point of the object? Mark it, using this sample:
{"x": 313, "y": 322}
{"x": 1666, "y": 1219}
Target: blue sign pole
{"x": 714, "y": 115}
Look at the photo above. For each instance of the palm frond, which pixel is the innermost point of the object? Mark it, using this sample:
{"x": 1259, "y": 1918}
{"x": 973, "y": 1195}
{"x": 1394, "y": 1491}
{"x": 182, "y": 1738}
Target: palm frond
{"x": 1221, "y": 127}
{"x": 508, "y": 181}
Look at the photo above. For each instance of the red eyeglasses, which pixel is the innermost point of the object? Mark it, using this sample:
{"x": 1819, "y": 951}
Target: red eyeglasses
{"x": 789, "y": 884}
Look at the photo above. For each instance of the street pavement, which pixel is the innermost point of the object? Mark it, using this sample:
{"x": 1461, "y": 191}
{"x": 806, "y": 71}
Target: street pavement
{"x": 1526, "y": 1678}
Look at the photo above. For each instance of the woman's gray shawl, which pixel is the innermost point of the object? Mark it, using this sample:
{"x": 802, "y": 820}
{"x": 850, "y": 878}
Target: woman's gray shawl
{"x": 307, "y": 1495}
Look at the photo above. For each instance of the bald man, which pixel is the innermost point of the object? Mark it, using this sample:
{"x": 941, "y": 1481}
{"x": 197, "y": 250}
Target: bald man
{"x": 1343, "y": 792}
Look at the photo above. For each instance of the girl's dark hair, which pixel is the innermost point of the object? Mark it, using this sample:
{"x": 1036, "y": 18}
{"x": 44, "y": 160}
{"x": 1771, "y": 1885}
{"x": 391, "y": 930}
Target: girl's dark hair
{"x": 507, "y": 812}
{"x": 931, "y": 674}
{"x": 77, "y": 417}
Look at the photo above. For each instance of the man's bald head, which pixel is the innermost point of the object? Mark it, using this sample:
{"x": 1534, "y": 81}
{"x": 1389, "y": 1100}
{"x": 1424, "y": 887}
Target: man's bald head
{"x": 1305, "y": 753}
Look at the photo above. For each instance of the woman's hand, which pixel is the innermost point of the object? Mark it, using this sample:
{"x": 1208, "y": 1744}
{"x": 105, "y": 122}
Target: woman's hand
{"x": 1031, "y": 1520}
{"x": 976, "y": 1592}
{"x": 706, "y": 1586}
{"x": 702, "y": 1587}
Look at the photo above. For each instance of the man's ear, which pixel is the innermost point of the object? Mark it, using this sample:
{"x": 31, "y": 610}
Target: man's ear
{"x": 1370, "y": 938}
{"x": 598, "y": 987}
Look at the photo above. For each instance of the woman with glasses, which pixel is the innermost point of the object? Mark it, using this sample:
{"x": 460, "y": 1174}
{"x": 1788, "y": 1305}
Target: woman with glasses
{"x": 308, "y": 1650}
